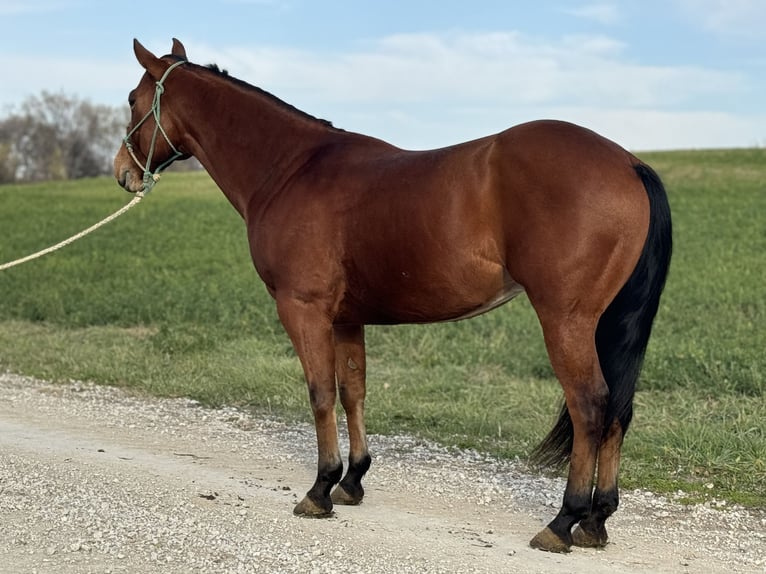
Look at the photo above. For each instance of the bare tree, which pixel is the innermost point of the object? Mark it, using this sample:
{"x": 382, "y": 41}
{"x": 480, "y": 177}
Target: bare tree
{"x": 55, "y": 136}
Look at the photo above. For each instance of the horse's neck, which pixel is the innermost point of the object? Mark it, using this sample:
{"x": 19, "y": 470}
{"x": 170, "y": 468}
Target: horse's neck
{"x": 248, "y": 143}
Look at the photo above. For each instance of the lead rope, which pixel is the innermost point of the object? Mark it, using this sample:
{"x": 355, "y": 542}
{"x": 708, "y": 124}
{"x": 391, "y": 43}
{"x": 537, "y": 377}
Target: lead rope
{"x": 149, "y": 178}
{"x": 139, "y": 196}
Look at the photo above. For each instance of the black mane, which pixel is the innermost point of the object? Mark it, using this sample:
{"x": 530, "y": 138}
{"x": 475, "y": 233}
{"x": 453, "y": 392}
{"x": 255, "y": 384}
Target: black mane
{"x": 223, "y": 73}
{"x": 217, "y": 70}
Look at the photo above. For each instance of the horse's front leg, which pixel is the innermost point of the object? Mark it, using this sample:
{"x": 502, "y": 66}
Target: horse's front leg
{"x": 350, "y": 368}
{"x": 310, "y": 331}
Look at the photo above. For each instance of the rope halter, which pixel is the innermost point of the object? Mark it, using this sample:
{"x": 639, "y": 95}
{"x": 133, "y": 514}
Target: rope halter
{"x": 150, "y": 178}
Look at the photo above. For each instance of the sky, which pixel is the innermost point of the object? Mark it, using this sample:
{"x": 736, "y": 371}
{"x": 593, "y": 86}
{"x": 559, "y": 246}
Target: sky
{"x": 649, "y": 74}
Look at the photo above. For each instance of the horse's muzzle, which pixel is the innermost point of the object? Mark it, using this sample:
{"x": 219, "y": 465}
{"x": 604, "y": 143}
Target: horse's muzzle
{"x": 129, "y": 180}
{"x": 125, "y": 172}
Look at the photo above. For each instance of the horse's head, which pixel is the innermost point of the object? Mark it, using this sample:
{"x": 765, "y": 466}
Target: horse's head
{"x": 148, "y": 147}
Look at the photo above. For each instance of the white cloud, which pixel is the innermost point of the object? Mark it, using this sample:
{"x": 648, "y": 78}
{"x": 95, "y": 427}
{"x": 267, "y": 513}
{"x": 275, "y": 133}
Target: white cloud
{"x": 426, "y": 90}
{"x": 603, "y": 13}
{"x": 743, "y": 19}
{"x": 657, "y": 129}
{"x": 101, "y": 81}
{"x": 16, "y": 7}
{"x": 634, "y": 129}
{"x": 493, "y": 68}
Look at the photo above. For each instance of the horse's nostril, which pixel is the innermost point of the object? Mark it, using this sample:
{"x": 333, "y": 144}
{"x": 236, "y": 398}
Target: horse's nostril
{"x": 122, "y": 177}
{"x": 126, "y": 179}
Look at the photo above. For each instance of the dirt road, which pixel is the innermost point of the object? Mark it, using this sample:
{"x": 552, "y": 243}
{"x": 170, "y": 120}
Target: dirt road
{"x": 94, "y": 480}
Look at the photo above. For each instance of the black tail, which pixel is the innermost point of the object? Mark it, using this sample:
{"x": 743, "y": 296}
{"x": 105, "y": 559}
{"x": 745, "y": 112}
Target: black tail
{"x": 624, "y": 328}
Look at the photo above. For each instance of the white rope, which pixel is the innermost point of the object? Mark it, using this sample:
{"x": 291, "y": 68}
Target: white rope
{"x": 139, "y": 196}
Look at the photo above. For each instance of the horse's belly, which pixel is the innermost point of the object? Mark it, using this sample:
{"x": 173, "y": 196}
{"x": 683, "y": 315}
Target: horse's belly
{"x": 509, "y": 291}
{"x": 432, "y": 301}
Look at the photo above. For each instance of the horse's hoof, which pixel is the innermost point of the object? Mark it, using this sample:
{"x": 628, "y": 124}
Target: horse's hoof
{"x": 546, "y": 540}
{"x": 585, "y": 539}
{"x": 341, "y": 496}
{"x": 307, "y": 508}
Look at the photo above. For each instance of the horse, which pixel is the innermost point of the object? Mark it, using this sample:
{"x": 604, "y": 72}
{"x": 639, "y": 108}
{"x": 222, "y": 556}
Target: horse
{"x": 347, "y": 230}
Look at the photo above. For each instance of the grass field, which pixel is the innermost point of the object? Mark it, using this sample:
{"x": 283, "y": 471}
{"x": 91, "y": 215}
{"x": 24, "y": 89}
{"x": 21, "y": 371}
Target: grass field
{"x": 165, "y": 300}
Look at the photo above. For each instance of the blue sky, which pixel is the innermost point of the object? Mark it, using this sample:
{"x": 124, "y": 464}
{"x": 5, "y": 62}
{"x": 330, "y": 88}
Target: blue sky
{"x": 649, "y": 74}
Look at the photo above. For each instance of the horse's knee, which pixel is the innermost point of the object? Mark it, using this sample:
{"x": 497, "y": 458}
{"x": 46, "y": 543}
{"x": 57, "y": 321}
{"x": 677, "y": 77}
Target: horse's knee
{"x": 322, "y": 399}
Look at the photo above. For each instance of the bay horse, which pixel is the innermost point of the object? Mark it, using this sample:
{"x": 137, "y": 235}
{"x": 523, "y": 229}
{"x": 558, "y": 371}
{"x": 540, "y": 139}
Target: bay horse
{"x": 346, "y": 230}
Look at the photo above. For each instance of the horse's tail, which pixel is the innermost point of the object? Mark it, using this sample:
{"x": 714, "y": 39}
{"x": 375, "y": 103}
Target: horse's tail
{"x": 623, "y": 330}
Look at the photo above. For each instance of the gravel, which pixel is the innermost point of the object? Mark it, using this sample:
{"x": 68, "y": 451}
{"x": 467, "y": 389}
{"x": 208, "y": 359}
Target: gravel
{"x": 95, "y": 479}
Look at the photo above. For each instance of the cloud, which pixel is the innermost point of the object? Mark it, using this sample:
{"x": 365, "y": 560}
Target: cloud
{"x": 433, "y": 89}
{"x": 101, "y": 81}
{"x": 602, "y": 13}
{"x": 16, "y": 7}
{"x": 488, "y": 68}
{"x": 425, "y": 90}
{"x": 646, "y": 130}
{"x": 741, "y": 19}
{"x": 635, "y": 129}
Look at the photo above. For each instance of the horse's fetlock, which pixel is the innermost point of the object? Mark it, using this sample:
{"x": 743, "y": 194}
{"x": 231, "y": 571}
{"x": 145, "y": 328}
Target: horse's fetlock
{"x": 606, "y": 502}
{"x": 576, "y": 505}
{"x": 330, "y": 473}
{"x": 361, "y": 466}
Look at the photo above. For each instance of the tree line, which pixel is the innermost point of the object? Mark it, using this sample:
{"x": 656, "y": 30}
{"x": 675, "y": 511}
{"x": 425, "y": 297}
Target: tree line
{"x": 58, "y": 136}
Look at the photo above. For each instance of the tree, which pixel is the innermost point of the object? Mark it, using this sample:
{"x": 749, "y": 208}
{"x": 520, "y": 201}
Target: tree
{"x": 55, "y": 136}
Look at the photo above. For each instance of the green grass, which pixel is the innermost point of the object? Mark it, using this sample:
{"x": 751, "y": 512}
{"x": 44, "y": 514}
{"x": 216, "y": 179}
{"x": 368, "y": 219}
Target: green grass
{"x": 165, "y": 300}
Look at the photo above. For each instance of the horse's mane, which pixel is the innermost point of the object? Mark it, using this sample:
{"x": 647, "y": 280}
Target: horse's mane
{"x": 222, "y": 73}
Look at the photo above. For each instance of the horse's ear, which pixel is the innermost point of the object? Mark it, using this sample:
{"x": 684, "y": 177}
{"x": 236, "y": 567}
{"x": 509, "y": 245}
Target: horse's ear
{"x": 149, "y": 61}
{"x": 178, "y": 49}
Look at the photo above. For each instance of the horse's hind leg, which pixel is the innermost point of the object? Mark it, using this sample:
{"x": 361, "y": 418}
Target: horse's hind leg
{"x": 591, "y": 532}
{"x": 572, "y": 350}
{"x": 350, "y": 369}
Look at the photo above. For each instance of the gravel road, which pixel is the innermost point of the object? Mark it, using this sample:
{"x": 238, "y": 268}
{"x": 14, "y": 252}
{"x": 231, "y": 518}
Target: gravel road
{"x": 96, "y": 480}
